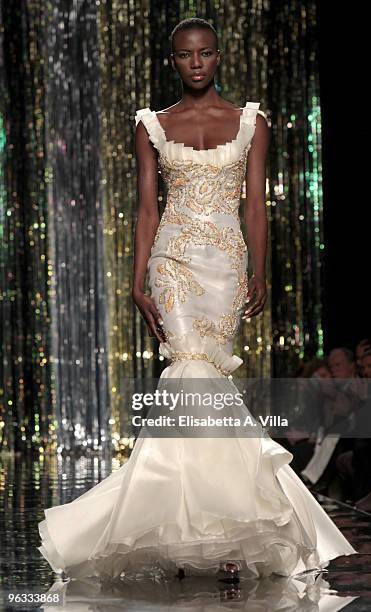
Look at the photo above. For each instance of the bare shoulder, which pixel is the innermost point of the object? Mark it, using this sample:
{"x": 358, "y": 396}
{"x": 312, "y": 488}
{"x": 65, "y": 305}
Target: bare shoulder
{"x": 262, "y": 130}
{"x": 141, "y": 134}
{"x": 261, "y": 136}
{"x": 262, "y": 121}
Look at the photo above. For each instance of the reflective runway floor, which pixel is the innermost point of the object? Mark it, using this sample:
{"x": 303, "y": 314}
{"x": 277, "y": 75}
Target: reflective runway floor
{"x": 29, "y": 484}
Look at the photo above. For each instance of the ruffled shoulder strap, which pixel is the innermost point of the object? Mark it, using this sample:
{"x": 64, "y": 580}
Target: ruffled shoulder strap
{"x": 250, "y": 110}
{"x": 152, "y": 125}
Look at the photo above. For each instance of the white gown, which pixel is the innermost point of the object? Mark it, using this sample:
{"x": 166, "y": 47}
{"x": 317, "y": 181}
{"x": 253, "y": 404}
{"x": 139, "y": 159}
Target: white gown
{"x": 195, "y": 502}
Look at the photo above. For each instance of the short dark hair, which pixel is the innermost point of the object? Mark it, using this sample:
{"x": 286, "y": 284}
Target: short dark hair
{"x": 190, "y": 24}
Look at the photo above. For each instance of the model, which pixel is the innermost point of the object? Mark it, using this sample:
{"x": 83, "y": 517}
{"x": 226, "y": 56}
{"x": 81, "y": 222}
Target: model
{"x": 183, "y": 506}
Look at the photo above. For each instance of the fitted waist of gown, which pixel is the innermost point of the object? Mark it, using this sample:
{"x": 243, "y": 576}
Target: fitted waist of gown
{"x": 174, "y": 223}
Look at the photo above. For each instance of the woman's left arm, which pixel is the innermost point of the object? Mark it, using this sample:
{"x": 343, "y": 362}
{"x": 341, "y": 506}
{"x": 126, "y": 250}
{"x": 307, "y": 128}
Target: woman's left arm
{"x": 255, "y": 215}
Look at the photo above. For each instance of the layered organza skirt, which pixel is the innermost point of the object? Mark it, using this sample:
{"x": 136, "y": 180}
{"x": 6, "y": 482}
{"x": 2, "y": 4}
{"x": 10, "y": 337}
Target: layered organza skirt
{"x": 193, "y": 503}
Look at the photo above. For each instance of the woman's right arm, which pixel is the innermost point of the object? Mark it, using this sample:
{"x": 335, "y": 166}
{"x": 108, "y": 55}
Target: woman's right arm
{"x": 145, "y": 229}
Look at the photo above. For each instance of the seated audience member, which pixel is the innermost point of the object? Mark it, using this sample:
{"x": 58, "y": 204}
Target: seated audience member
{"x": 362, "y": 346}
{"x": 301, "y": 438}
{"x": 365, "y": 364}
{"x": 339, "y": 407}
{"x": 353, "y": 465}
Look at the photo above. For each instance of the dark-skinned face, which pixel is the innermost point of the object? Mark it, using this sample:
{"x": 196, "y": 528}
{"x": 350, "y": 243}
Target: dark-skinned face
{"x": 195, "y": 52}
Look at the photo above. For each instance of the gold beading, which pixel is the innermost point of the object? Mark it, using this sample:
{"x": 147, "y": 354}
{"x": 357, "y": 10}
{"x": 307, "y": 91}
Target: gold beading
{"x": 183, "y": 356}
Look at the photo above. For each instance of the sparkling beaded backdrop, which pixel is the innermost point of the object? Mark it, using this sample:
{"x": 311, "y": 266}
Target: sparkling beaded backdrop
{"x": 72, "y": 75}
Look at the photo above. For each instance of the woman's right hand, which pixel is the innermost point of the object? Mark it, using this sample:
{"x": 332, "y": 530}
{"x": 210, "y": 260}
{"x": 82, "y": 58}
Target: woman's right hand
{"x": 150, "y": 313}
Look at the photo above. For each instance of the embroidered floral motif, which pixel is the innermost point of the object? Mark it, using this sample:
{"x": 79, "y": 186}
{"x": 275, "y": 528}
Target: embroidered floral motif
{"x": 204, "y": 188}
{"x": 240, "y": 297}
{"x": 227, "y": 325}
{"x": 176, "y": 281}
{"x": 221, "y": 331}
{"x": 207, "y": 233}
{"x": 183, "y": 355}
{"x": 169, "y": 216}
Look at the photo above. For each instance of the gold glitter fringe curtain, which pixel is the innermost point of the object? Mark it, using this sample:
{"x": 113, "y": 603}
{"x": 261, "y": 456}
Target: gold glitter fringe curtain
{"x": 26, "y": 394}
{"x": 73, "y": 75}
{"x": 295, "y": 201}
{"x": 78, "y": 295}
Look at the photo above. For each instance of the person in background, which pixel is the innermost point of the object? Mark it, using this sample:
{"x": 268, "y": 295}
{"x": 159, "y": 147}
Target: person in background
{"x": 299, "y": 441}
{"x": 339, "y": 406}
{"x": 353, "y": 465}
{"x": 366, "y": 364}
{"x": 342, "y": 363}
{"x": 362, "y": 346}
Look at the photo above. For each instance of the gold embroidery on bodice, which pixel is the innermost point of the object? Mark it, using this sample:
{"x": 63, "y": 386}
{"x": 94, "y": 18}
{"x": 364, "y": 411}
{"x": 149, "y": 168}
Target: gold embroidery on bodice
{"x": 198, "y": 263}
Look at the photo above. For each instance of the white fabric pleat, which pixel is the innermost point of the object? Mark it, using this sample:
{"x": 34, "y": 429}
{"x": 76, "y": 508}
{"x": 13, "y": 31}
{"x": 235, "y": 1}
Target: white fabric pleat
{"x": 223, "y": 154}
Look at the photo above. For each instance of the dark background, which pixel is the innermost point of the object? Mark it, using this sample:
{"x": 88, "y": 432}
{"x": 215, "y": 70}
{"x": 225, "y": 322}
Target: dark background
{"x": 347, "y": 217}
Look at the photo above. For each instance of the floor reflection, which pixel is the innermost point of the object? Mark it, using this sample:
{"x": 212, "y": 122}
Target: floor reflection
{"x": 28, "y": 484}
{"x": 311, "y": 593}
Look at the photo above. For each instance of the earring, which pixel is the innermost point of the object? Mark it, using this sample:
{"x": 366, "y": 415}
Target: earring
{"x": 217, "y": 86}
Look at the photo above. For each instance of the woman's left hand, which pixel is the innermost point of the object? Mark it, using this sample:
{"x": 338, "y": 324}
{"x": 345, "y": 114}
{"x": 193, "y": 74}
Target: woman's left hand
{"x": 258, "y": 288}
